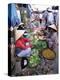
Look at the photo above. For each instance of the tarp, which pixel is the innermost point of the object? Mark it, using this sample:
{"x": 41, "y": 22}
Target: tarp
{"x": 13, "y": 19}
{"x": 29, "y": 10}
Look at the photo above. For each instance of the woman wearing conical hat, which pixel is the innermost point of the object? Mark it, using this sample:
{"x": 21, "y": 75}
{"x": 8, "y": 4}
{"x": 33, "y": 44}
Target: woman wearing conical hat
{"x": 22, "y": 50}
{"x": 52, "y": 37}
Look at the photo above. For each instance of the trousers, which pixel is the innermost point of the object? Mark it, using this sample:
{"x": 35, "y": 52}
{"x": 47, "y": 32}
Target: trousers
{"x": 24, "y": 53}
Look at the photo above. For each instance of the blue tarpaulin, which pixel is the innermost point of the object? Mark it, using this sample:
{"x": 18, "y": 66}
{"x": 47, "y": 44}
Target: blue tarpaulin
{"x": 13, "y": 19}
{"x": 29, "y": 10}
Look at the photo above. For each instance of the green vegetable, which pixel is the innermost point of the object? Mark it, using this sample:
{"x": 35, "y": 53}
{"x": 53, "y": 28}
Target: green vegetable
{"x": 39, "y": 44}
{"x": 34, "y": 60}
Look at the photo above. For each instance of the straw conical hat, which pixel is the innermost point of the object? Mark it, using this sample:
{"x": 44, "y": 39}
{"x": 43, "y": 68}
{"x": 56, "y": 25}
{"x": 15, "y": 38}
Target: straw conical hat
{"x": 21, "y": 23}
{"x": 18, "y": 34}
{"x": 53, "y": 27}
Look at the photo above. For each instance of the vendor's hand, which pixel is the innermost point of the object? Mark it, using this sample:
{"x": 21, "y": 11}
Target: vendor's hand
{"x": 31, "y": 45}
{"x": 30, "y": 40}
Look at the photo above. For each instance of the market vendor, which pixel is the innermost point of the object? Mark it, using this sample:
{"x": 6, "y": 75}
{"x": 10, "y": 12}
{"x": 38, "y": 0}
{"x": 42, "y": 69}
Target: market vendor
{"x": 22, "y": 49}
{"x": 52, "y": 36}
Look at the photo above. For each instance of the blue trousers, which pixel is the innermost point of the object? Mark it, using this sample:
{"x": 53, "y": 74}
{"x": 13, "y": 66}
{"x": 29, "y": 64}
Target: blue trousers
{"x": 23, "y": 53}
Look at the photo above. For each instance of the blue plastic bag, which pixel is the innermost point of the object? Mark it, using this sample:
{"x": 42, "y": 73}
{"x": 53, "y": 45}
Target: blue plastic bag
{"x": 13, "y": 19}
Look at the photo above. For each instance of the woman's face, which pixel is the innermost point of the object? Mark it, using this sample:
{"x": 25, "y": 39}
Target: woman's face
{"x": 50, "y": 30}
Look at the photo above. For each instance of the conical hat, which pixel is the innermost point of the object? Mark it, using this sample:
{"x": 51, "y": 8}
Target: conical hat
{"x": 18, "y": 34}
{"x": 53, "y": 27}
{"x": 21, "y": 23}
{"x": 50, "y": 9}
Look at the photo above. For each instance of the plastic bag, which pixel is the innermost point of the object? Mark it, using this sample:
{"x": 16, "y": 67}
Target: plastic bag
{"x": 13, "y": 19}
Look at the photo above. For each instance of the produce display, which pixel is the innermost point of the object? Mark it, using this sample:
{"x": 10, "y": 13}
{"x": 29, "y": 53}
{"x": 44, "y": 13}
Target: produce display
{"x": 38, "y": 46}
{"x": 34, "y": 59}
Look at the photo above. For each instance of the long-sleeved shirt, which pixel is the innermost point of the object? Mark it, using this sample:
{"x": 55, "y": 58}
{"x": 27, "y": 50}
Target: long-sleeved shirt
{"x": 21, "y": 43}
